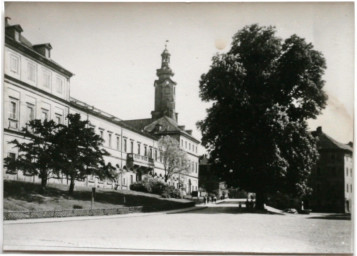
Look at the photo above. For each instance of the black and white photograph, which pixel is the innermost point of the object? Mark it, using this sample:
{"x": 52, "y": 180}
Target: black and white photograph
{"x": 178, "y": 128}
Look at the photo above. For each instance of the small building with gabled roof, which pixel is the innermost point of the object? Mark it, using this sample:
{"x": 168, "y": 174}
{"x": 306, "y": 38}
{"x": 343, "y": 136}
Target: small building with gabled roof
{"x": 332, "y": 178}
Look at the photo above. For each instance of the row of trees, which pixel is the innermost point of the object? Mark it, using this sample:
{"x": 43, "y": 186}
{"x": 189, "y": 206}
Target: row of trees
{"x": 263, "y": 91}
{"x": 52, "y": 149}
{"x": 76, "y": 151}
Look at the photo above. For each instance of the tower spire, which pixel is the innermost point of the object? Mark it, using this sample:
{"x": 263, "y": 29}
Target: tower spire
{"x": 164, "y": 89}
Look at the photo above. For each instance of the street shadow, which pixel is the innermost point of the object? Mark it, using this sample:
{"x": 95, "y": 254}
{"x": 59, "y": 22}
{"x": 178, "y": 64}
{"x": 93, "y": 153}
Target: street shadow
{"x": 223, "y": 210}
{"x": 335, "y": 216}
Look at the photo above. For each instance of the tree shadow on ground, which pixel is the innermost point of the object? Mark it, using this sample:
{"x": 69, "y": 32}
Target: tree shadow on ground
{"x": 225, "y": 210}
{"x": 335, "y": 216}
{"x": 30, "y": 192}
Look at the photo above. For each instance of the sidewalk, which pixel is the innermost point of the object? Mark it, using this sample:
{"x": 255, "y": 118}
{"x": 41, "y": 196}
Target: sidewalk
{"x": 129, "y": 215}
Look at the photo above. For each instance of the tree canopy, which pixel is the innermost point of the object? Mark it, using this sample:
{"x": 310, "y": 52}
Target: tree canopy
{"x": 79, "y": 152}
{"x": 174, "y": 159}
{"x": 263, "y": 91}
{"x": 35, "y": 155}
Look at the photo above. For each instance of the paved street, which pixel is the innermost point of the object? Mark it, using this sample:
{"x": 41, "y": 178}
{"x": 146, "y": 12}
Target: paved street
{"x": 216, "y": 228}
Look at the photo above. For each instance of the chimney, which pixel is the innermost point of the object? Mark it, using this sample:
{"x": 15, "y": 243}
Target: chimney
{"x": 319, "y": 130}
{"x": 7, "y": 21}
{"x": 189, "y": 132}
{"x": 350, "y": 144}
{"x": 43, "y": 49}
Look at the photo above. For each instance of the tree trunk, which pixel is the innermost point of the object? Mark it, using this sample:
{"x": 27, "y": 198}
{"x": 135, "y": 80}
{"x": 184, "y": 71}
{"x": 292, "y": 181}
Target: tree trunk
{"x": 260, "y": 200}
{"x": 71, "y": 186}
{"x": 43, "y": 181}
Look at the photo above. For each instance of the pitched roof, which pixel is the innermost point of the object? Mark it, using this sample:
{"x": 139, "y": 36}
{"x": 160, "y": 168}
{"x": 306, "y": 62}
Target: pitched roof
{"x": 139, "y": 123}
{"x": 161, "y": 126}
{"x": 326, "y": 142}
{"x": 27, "y": 47}
{"x": 166, "y": 125}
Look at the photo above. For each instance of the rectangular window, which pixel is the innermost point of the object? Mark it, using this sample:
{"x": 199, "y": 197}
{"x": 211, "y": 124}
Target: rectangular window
{"x": 58, "y": 118}
{"x": 101, "y": 133}
{"x": 155, "y": 155}
{"x": 31, "y": 69}
{"x": 125, "y": 147}
{"x": 347, "y": 187}
{"x": 44, "y": 114}
{"x": 47, "y": 79}
{"x": 110, "y": 140}
{"x": 123, "y": 181}
{"x": 351, "y": 188}
{"x": 13, "y": 109}
{"x": 145, "y": 150}
{"x": 30, "y": 112}
{"x": 131, "y": 146}
{"x": 185, "y": 144}
{"x": 150, "y": 152}
{"x": 189, "y": 146}
{"x": 118, "y": 143}
{"x": 131, "y": 179}
{"x": 139, "y": 148}
{"x": 14, "y": 64}
{"x": 13, "y": 157}
{"x": 59, "y": 85}
{"x": 181, "y": 142}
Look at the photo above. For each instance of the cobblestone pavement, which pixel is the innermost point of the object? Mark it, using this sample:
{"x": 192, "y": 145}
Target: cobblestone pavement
{"x": 217, "y": 228}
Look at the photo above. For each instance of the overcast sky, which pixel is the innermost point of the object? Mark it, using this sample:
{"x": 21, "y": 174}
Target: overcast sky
{"x": 114, "y": 50}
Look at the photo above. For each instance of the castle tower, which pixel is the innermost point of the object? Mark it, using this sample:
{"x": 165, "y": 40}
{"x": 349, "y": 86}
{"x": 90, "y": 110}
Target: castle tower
{"x": 165, "y": 89}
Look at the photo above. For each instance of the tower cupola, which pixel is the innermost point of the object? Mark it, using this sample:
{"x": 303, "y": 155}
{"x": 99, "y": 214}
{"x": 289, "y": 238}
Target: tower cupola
{"x": 165, "y": 89}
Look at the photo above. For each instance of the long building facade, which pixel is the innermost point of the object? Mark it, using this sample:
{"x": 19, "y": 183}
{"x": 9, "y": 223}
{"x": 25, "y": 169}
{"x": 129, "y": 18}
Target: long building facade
{"x": 36, "y": 87}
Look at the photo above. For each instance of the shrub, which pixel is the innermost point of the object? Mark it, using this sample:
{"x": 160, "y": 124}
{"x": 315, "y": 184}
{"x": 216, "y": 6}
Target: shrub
{"x": 158, "y": 187}
{"x": 171, "y": 192}
{"x": 155, "y": 186}
{"x": 138, "y": 186}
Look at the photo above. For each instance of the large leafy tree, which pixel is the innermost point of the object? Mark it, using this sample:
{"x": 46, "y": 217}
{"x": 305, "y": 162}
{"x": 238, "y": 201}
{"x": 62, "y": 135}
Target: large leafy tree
{"x": 36, "y": 153}
{"x": 263, "y": 91}
{"x": 174, "y": 159}
{"x": 79, "y": 152}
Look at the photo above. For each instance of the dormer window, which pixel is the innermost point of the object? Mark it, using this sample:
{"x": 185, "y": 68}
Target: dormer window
{"x": 17, "y": 36}
{"x": 47, "y": 53}
{"x": 43, "y": 49}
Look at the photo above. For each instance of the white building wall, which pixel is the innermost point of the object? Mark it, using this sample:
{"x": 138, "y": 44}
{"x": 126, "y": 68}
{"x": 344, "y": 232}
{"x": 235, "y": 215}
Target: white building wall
{"x": 47, "y": 92}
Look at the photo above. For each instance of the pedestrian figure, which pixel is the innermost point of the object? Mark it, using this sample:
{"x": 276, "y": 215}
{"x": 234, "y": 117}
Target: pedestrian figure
{"x": 247, "y": 205}
{"x": 215, "y": 199}
{"x": 204, "y": 200}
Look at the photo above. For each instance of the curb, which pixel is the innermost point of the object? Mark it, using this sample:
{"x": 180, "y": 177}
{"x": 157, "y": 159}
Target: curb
{"x": 129, "y": 215}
